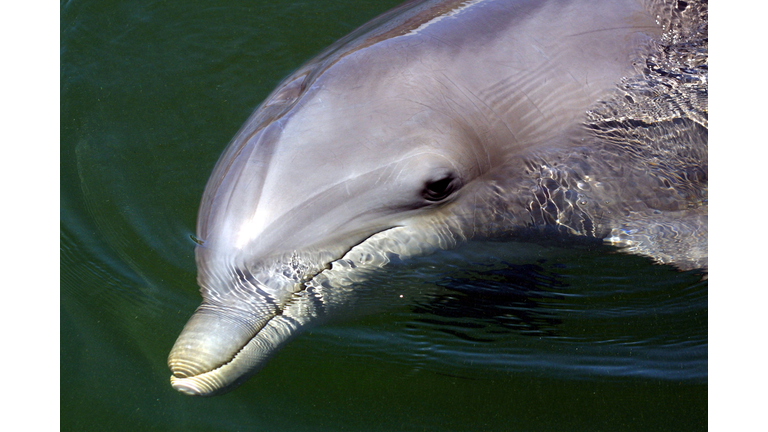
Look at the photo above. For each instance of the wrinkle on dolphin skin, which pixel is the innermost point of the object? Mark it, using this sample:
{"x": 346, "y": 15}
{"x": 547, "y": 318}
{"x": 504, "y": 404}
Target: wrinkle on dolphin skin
{"x": 438, "y": 123}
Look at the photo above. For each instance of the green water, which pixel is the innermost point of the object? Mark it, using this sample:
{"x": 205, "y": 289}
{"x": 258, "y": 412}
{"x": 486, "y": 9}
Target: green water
{"x": 151, "y": 92}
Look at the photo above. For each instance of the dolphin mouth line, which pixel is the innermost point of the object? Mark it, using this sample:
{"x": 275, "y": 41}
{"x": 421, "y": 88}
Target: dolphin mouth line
{"x": 201, "y": 384}
{"x": 242, "y": 363}
{"x": 214, "y": 381}
{"x": 210, "y": 383}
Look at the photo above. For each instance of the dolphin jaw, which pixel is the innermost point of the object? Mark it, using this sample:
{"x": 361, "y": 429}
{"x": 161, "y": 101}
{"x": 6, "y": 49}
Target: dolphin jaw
{"x": 211, "y": 382}
{"x": 221, "y": 347}
{"x": 189, "y": 378}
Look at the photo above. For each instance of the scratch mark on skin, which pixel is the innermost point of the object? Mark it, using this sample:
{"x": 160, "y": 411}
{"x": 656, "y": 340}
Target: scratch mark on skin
{"x": 610, "y": 29}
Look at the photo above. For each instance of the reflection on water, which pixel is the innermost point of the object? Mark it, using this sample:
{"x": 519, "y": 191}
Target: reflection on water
{"x": 550, "y": 340}
{"x": 553, "y": 319}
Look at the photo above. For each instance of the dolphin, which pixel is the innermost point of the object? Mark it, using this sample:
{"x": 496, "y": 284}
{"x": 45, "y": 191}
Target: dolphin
{"x": 438, "y": 123}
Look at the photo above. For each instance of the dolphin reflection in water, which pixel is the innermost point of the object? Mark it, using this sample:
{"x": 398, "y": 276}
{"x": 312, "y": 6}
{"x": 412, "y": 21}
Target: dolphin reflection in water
{"x": 438, "y": 123}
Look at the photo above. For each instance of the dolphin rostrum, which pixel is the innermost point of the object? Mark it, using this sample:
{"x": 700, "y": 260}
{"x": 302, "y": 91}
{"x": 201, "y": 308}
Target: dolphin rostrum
{"x": 441, "y": 122}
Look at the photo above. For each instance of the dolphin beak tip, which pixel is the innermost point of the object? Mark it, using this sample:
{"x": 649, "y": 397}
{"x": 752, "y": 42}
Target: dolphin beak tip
{"x": 181, "y": 386}
{"x": 191, "y": 386}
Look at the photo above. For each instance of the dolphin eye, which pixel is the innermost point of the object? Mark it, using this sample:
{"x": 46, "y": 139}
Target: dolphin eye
{"x": 438, "y": 190}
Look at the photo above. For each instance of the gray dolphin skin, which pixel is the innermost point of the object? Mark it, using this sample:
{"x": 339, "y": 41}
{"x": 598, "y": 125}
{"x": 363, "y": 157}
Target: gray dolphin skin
{"x": 438, "y": 123}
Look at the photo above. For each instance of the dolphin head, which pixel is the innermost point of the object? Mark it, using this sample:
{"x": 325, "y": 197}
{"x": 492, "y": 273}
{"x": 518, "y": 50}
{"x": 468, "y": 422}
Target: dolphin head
{"x": 387, "y": 144}
{"x": 321, "y": 167}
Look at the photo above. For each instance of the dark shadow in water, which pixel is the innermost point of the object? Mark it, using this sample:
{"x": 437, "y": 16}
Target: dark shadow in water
{"x": 503, "y": 298}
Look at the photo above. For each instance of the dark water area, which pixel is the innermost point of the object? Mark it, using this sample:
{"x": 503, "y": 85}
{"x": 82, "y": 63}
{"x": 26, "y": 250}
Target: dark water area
{"x": 545, "y": 339}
